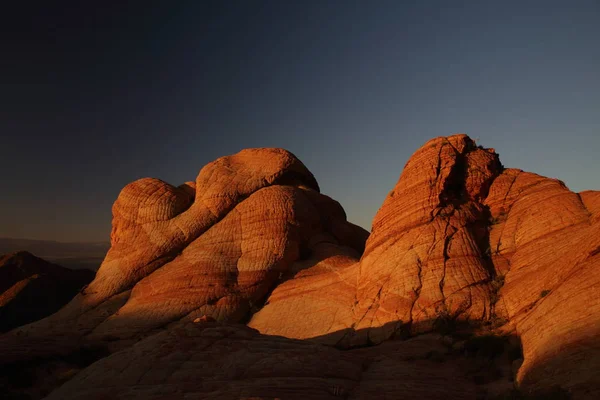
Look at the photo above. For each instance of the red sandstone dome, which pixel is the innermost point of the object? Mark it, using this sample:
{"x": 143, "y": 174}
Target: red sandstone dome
{"x": 460, "y": 241}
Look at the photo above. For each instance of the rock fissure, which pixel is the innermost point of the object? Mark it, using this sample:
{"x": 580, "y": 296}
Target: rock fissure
{"x": 434, "y": 260}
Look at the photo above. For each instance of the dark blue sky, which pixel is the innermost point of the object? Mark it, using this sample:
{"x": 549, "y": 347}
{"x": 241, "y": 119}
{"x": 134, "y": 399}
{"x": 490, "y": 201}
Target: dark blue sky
{"x": 95, "y": 97}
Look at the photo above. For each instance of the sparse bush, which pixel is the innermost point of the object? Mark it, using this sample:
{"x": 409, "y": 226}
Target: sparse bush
{"x": 496, "y": 284}
{"x": 494, "y": 297}
{"x": 496, "y": 321}
{"x": 496, "y": 220}
{"x": 444, "y": 323}
{"x": 488, "y": 346}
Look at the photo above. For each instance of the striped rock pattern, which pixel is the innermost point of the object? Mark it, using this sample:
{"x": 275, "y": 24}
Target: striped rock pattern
{"x": 459, "y": 238}
{"x": 545, "y": 242}
{"x": 462, "y": 238}
{"x": 215, "y": 247}
{"x": 427, "y": 255}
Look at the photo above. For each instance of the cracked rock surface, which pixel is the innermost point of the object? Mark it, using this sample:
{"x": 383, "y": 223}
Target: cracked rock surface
{"x": 462, "y": 238}
{"x": 459, "y": 241}
{"x": 427, "y": 255}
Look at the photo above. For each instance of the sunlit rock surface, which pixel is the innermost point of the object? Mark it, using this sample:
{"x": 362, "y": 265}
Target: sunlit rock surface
{"x": 215, "y": 247}
{"x": 459, "y": 241}
{"x": 461, "y": 238}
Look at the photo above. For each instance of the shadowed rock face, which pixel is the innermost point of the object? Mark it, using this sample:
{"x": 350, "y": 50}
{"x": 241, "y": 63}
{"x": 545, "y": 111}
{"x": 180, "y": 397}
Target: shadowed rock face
{"x": 32, "y": 288}
{"x": 214, "y": 361}
{"x": 459, "y": 240}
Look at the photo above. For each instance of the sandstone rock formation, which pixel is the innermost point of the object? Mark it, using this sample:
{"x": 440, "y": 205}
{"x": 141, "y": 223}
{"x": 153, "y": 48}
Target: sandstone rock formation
{"x": 545, "y": 242}
{"x": 462, "y": 238}
{"x": 216, "y": 247}
{"x": 32, "y": 288}
{"x": 461, "y": 246}
{"x": 427, "y": 256}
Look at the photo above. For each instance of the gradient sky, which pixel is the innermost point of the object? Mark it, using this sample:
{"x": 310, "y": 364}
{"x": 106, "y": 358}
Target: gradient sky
{"x": 94, "y": 97}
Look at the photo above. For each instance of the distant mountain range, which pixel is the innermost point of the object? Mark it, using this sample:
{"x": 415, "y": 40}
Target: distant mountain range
{"x": 32, "y": 288}
{"x": 71, "y": 255}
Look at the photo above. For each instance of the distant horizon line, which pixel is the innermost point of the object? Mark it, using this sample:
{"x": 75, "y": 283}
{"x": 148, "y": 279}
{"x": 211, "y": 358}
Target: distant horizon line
{"x": 55, "y": 241}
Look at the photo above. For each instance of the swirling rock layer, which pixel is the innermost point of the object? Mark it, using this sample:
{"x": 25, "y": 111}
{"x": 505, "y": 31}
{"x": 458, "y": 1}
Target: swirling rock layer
{"x": 545, "y": 242}
{"x": 459, "y": 241}
{"x": 427, "y": 256}
{"x": 461, "y": 238}
{"x": 216, "y": 247}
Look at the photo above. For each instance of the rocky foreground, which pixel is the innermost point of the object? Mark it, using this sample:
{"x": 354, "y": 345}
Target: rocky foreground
{"x": 476, "y": 281}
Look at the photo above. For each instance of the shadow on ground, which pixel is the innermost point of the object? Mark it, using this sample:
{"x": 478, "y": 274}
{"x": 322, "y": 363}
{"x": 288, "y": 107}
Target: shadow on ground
{"x": 479, "y": 355}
